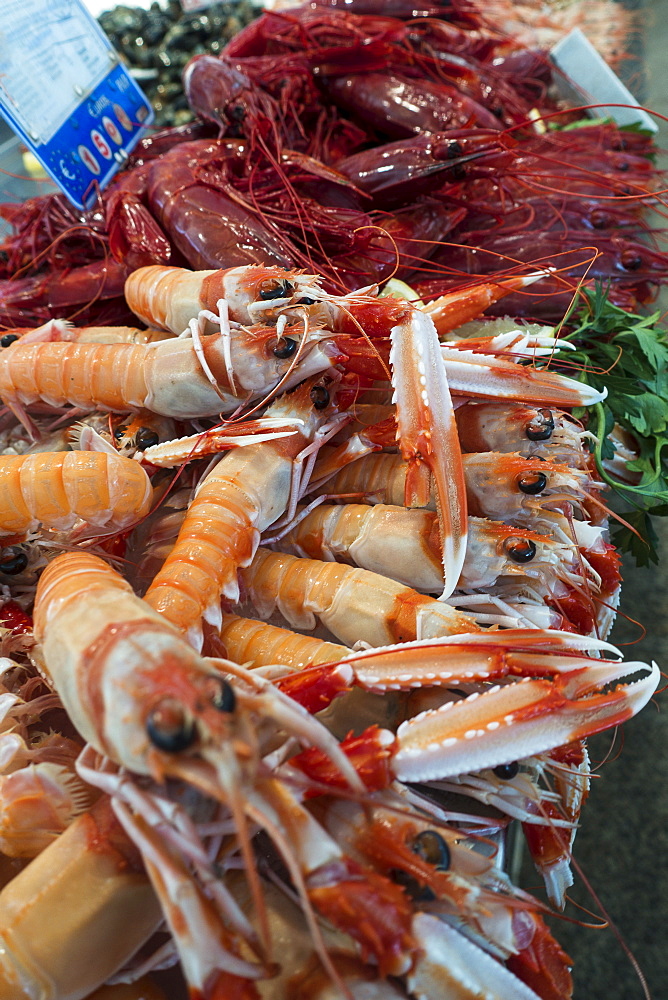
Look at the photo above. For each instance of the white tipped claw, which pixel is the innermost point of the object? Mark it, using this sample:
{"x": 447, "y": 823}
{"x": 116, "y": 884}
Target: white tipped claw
{"x": 489, "y": 377}
{"x": 545, "y": 272}
{"x": 557, "y": 344}
{"x": 639, "y": 692}
{"x": 590, "y": 396}
{"x": 558, "y": 878}
{"x": 448, "y": 964}
{"x": 427, "y": 432}
{"x": 544, "y": 639}
{"x": 514, "y": 721}
{"x": 583, "y": 394}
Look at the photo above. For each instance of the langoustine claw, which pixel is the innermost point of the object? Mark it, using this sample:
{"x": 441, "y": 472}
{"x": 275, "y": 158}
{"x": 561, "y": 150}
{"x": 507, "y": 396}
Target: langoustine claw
{"x": 559, "y": 698}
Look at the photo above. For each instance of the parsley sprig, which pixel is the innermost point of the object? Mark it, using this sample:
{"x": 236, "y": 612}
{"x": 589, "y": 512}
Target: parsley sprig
{"x": 627, "y": 354}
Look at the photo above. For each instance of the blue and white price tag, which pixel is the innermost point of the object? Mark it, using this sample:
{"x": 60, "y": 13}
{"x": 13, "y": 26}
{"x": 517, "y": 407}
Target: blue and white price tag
{"x": 65, "y": 92}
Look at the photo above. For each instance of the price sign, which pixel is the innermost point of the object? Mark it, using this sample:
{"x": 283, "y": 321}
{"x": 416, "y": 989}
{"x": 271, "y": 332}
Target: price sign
{"x": 64, "y": 91}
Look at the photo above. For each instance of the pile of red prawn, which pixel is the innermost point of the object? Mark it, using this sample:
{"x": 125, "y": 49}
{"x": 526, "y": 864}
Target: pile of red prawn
{"x": 283, "y": 814}
{"x": 360, "y": 147}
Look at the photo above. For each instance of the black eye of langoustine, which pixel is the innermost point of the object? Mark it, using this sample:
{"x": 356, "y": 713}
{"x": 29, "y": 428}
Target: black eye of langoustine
{"x": 306, "y": 300}
{"x": 319, "y": 397}
{"x": 431, "y": 847}
{"x": 222, "y": 695}
{"x": 520, "y": 550}
{"x": 276, "y": 290}
{"x": 8, "y": 339}
{"x": 145, "y": 438}
{"x": 541, "y": 427}
{"x": 169, "y": 727}
{"x": 506, "y": 771}
{"x": 532, "y": 483}
{"x": 120, "y": 431}
{"x": 13, "y": 561}
{"x": 285, "y": 348}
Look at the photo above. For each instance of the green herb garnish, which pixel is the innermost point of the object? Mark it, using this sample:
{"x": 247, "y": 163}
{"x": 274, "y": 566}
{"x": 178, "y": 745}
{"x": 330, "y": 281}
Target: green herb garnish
{"x": 628, "y": 355}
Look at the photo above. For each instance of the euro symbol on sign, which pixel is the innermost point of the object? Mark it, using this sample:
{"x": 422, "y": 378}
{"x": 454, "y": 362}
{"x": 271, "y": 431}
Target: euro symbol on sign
{"x": 65, "y": 172}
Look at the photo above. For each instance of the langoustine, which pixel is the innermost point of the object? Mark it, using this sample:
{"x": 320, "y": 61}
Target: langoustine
{"x": 402, "y": 544}
{"x": 247, "y": 491}
{"x": 152, "y": 741}
{"x": 178, "y": 378}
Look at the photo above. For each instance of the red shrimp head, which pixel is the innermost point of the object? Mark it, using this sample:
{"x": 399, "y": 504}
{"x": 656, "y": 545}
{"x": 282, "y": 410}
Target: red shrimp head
{"x": 218, "y": 92}
{"x": 396, "y": 171}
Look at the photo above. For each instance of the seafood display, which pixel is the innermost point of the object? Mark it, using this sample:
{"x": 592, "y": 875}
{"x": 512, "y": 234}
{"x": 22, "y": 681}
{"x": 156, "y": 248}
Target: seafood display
{"x": 307, "y": 587}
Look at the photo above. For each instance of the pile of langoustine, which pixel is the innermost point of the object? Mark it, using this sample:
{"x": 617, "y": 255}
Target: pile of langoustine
{"x": 288, "y": 815}
{"x": 427, "y": 146}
